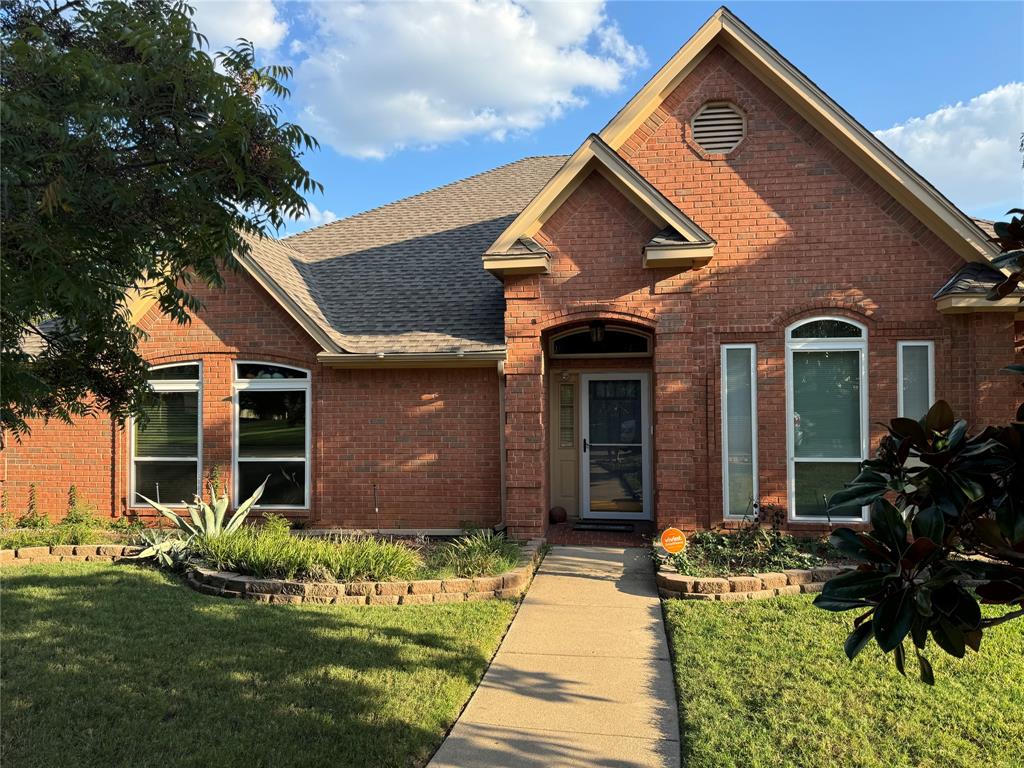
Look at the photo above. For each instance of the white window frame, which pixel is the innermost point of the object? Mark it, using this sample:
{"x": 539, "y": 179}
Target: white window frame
{"x": 824, "y": 345}
{"x": 900, "y": 346}
{"x": 171, "y": 385}
{"x": 726, "y": 513}
{"x": 278, "y": 385}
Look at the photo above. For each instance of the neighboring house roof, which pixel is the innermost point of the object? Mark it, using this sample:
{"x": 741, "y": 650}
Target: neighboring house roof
{"x": 406, "y": 277}
{"x": 974, "y": 280}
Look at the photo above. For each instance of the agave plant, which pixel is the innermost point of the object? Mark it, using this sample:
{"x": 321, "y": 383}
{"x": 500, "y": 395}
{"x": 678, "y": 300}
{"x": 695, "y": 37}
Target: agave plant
{"x": 167, "y": 551}
{"x": 208, "y": 520}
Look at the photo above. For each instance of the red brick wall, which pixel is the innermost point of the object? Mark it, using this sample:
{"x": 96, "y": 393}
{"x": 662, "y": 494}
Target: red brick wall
{"x": 55, "y": 456}
{"x": 427, "y": 438}
{"x": 801, "y": 231}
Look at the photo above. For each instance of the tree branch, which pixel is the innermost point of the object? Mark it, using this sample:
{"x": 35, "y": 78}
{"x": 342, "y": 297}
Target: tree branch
{"x": 988, "y": 623}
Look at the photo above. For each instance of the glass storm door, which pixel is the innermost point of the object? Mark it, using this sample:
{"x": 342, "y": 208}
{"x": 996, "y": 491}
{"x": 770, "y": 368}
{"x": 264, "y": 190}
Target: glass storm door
{"x": 615, "y": 464}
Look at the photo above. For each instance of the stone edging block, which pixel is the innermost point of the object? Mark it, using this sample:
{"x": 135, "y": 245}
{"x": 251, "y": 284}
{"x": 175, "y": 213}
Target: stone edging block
{"x": 673, "y": 585}
{"x": 67, "y": 553}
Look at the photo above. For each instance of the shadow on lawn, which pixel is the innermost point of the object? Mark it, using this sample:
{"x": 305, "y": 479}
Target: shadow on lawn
{"x": 123, "y": 666}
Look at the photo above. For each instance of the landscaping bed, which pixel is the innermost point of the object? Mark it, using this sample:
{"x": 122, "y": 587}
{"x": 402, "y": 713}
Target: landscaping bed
{"x": 510, "y": 584}
{"x": 117, "y": 665}
{"x": 767, "y": 684}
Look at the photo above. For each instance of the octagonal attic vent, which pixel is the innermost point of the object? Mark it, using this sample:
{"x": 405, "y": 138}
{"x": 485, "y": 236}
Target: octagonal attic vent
{"x": 718, "y": 127}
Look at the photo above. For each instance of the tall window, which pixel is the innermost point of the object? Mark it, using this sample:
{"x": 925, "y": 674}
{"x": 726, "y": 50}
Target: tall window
{"x": 272, "y": 415}
{"x": 915, "y": 370}
{"x": 167, "y": 448}
{"x": 739, "y": 428}
{"x": 827, "y": 406}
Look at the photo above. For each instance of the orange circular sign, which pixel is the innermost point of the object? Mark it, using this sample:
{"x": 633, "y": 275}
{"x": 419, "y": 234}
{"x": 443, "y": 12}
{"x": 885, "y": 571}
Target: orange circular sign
{"x": 673, "y": 540}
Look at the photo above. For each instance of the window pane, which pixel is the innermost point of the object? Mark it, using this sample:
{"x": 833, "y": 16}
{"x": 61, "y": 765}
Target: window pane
{"x": 189, "y": 372}
{"x": 816, "y": 481}
{"x": 261, "y": 371}
{"x": 166, "y": 482}
{"x": 826, "y": 404}
{"x": 173, "y": 426}
{"x": 566, "y": 416}
{"x": 271, "y": 424}
{"x": 916, "y": 399}
{"x": 615, "y": 411}
{"x": 286, "y": 484}
{"x": 616, "y": 479}
{"x": 739, "y": 430}
{"x": 614, "y": 341}
{"x": 827, "y": 329}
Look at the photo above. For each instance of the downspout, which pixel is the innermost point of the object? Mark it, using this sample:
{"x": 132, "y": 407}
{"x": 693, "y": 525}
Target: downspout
{"x": 501, "y": 440}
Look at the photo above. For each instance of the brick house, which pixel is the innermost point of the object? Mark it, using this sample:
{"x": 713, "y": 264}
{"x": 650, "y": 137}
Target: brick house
{"x": 713, "y": 301}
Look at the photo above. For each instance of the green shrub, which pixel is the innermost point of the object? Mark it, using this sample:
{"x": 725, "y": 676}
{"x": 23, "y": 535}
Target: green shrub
{"x": 751, "y": 549}
{"x": 32, "y": 517}
{"x": 480, "y": 553}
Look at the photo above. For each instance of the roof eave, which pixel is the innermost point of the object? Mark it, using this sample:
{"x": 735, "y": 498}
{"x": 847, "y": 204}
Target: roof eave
{"x": 287, "y": 303}
{"x": 482, "y": 359}
{"x": 965, "y": 303}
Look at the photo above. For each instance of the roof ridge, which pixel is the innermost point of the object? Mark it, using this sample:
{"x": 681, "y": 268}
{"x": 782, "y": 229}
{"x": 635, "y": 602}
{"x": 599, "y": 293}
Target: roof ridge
{"x": 417, "y": 195}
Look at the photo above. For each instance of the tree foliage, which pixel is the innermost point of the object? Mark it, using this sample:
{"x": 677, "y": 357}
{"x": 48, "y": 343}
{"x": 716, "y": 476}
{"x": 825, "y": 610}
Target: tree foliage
{"x": 132, "y": 161}
{"x": 947, "y": 524}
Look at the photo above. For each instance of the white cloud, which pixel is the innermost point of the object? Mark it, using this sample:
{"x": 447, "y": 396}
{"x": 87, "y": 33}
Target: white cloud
{"x": 314, "y": 218}
{"x": 224, "y": 21}
{"x": 969, "y": 151}
{"x": 378, "y": 77}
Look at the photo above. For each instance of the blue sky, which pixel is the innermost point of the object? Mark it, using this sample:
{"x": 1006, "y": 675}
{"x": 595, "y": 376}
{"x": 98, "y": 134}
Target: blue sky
{"x": 405, "y": 97}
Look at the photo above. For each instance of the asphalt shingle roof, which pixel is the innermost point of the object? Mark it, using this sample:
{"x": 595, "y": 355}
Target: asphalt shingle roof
{"x": 408, "y": 276}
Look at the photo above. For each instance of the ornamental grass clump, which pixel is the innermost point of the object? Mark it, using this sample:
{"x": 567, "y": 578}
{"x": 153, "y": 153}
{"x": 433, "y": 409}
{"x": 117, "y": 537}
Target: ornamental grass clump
{"x": 480, "y": 553}
{"x": 270, "y": 551}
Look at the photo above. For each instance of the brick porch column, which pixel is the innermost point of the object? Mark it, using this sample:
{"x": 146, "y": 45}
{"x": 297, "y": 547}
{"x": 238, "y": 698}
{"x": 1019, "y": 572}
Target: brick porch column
{"x": 525, "y": 438}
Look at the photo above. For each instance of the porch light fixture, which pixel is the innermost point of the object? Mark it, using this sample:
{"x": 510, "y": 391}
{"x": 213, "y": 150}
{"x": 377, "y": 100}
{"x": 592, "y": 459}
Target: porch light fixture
{"x": 597, "y": 332}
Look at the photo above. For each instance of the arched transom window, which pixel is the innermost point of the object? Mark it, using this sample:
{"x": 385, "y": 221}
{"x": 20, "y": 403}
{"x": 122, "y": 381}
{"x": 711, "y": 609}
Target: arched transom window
{"x": 599, "y": 339}
{"x": 827, "y": 409}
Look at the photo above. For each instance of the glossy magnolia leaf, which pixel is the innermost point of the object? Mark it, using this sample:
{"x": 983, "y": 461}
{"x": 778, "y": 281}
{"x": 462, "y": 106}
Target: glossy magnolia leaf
{"x": 849, "y": 543}
{"x": 857, "y": 640}
{"x": 927, "y": 676}
{"x": 854, "y": 585}
{"x": 904, "y": 427}
{"x": 889, "y": 526}
{"x": 892, "y": 619}
{"x": 852, "y": 499}
{"x": 900, "y": 657}
{"x": 940, "y": 417}
{"x": 949, "y": 638}
{"x": 1010, "y": 518}
{"x": 929, "y": 523}
{"x": 1000, "y": 592}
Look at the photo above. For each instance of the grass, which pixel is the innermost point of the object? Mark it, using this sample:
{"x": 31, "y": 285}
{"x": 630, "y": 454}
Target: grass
{"x": 120, "y": 665}
{"x": 766, "y": 684}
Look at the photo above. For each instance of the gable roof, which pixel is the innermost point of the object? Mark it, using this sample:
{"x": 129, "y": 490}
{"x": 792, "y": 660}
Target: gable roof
{"x": 404, "y": 278}
{"x": 724, "y": 29}
{"x": 594, "y": 156}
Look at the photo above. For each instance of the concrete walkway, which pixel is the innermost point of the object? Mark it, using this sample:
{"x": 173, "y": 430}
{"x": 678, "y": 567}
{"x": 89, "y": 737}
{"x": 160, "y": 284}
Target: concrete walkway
{"x": 583, "y": 676}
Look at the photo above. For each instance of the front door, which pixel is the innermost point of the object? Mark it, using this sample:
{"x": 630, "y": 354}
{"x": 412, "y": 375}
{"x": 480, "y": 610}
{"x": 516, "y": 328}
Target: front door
{"x": 615, "y": 459}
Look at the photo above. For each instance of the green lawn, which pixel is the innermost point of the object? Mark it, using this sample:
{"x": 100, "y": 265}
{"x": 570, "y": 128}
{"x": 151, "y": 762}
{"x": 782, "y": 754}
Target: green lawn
{"x": 766, "y": 683}
{"x": 122, "y": 666}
